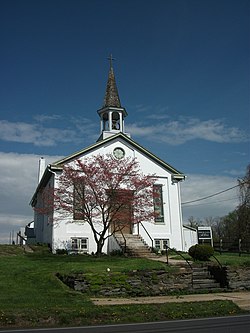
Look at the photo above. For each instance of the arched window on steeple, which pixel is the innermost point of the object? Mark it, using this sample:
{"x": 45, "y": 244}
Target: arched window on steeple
{"x": 116, "y": 121}
{"x": 105, "y": 121}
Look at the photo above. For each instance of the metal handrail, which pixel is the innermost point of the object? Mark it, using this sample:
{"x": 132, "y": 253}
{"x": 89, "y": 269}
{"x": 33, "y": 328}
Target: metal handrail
{"x": 174, "y": 250}
{"x": 218, "y": 262}
{"x": 152, "y": 241}
{"x": 125, "y": 242}
{"x": 222, "y": 277}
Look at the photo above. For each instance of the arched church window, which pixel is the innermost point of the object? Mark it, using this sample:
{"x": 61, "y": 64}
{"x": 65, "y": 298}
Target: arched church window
{"x": 105, "y": 119}
{"x": 115, "y": 121}
{"x": 158, "y": 203}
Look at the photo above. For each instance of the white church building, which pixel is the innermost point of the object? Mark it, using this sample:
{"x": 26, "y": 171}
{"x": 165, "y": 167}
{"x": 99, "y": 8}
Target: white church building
{"x": 166, "y": 229}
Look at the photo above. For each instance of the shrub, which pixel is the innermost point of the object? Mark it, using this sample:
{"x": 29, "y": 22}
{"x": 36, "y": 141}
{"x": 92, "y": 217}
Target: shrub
{"x": 201, "y": 252}
{"x": 117, "y": 253}
{"x": 61, "y": 251}
{"x": 156, "y": 250}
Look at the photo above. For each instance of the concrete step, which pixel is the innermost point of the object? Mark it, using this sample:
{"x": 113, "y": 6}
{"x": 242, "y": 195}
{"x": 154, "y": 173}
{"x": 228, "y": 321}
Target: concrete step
{"x": 135, "y": 246}
{"x": 200, "y": 269}
{"x": 213, "y": 285}
{"x": 138, "y": 253}
{"x": 201, "y": 276}
{"x": 202, "y": 279}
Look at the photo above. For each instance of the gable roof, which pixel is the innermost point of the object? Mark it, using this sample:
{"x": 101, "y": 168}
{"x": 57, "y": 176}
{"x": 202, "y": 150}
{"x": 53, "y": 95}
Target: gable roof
{"x": 58, "y": 165}
{"x": 128, "y": 140}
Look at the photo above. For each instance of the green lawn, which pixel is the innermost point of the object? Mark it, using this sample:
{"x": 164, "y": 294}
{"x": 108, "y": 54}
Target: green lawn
{"x": 233, "y": 259}
{"x": 32, "y": 296}
{"x": 228, "y": 259}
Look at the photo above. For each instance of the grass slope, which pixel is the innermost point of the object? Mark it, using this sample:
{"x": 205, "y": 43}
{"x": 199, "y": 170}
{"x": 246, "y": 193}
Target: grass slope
{"x": 32, "y": 296}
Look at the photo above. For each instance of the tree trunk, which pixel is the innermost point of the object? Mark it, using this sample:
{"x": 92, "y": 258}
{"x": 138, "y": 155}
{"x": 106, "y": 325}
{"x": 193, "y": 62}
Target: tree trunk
{"x": 99, "y": 244}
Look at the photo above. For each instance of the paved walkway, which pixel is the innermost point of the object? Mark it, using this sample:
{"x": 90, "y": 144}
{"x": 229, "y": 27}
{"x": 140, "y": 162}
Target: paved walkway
{"x": 27, "y": 249}
{"x": 242, "y": 299}
{"x": 178, "y": 262}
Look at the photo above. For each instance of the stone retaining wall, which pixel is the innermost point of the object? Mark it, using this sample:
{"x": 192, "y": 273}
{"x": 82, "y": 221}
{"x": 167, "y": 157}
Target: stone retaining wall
{"x": 136, "y": 283}
{"x": 238, "y": 278}
{"x": 146, "y": 283}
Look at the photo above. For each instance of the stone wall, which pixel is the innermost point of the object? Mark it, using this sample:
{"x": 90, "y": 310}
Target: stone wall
{"x": 238, "y": 278}
{"x": 136, "y": 283}
{"x": 146, "y": 282}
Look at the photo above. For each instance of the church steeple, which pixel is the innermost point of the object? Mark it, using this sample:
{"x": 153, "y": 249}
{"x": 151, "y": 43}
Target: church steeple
{"x": 112, "y": 114}
{"x": 111, "y": 97}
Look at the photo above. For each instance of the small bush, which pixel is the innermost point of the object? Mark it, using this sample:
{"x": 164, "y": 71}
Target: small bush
{"x": 201, "y": 252}
{"x": 117, "y": 253}
{"x": 61, "y": 251}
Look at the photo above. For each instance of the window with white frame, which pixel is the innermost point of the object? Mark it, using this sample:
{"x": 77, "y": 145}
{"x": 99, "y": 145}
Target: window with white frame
{"x": 79, "y": 244}
{"x": 161, "y": 244}
{"x": 78, "y": 202}
{"x": 158, "y": 204}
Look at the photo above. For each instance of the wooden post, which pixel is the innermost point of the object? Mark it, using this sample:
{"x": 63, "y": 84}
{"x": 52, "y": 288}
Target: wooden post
{"x": 220, "y": 245}
{"x": 239, "y": 246}
{"x": 167, "y": 254}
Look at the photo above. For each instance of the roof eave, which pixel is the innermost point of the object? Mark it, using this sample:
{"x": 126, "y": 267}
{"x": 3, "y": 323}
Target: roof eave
{"x": 45, "y": 178}
{"x": 165, "y": 165}
{"x": 112, "y": 108}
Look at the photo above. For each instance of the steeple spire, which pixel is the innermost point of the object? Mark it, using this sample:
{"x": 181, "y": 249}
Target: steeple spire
{"x": 111, "y": 114}
{"x": 110, "y": 58}
{"x": 111, "y": 98}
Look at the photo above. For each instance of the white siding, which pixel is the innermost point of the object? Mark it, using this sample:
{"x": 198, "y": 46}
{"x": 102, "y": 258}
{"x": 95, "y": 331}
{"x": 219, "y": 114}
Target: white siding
{"x": 65, "y": 229}
{"x": 43, "y": 223}
{"x": 190, "y": 238}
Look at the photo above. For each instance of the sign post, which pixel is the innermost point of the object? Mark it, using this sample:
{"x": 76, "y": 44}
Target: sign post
{"x": 205, "y": 233}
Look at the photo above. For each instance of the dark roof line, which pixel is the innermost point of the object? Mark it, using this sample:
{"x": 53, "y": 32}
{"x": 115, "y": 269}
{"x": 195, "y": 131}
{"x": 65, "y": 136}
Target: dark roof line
{"x": 58, "y": 165}
{"x": 127, "y": 139}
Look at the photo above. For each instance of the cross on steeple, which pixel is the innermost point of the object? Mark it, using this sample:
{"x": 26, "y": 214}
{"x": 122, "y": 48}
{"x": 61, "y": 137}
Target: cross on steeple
{"x": 110, "y": 58}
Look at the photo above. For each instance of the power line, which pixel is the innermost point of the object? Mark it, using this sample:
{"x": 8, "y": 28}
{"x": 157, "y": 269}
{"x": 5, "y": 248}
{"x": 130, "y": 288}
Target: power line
{"x": 211, "y": 195}
{"x": 211, "y": 203}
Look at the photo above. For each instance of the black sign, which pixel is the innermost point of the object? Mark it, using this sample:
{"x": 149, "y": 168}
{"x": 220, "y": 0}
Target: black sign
{"x": 204, "y": 234}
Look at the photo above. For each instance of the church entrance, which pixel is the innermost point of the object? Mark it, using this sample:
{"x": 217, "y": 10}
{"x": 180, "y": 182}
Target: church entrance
{"x": 125, "y": 223}
{"x": 122, "y": 212}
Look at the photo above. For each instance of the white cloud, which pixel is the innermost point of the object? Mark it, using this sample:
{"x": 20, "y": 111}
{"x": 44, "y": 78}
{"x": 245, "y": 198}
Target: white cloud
{"x": 238, "y": 173}
{"x": 18, "y": 132}
{"x": 200, "y": 186}
{"x": 40, "y": 135}
{"x": 10, "y": 224}
{"x": 142, "y": 108}
{"x": 33, "y": 133}
{"x": 19, "y": 173}
{"x": 180, "y": 131}
{"x": 84, "y": 126}
{"x": 45, "y": 117}
{"x": 158, "y": 116}
{"x": 161, "y": 129}
{"x": 18, "y": 181}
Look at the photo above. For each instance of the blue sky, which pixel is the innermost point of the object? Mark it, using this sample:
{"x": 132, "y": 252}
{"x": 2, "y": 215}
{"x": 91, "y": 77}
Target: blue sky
{"x": 182, "y": 69}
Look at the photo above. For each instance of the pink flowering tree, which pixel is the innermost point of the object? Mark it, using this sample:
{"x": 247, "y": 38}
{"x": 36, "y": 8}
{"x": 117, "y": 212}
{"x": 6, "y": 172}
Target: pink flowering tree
{"x": 104, "y": 191}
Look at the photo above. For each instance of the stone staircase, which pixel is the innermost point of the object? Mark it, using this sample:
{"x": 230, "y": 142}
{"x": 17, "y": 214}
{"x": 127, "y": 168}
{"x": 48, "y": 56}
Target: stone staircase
{"x": 135, "y": 246}
{"x": 202, "y": 279}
